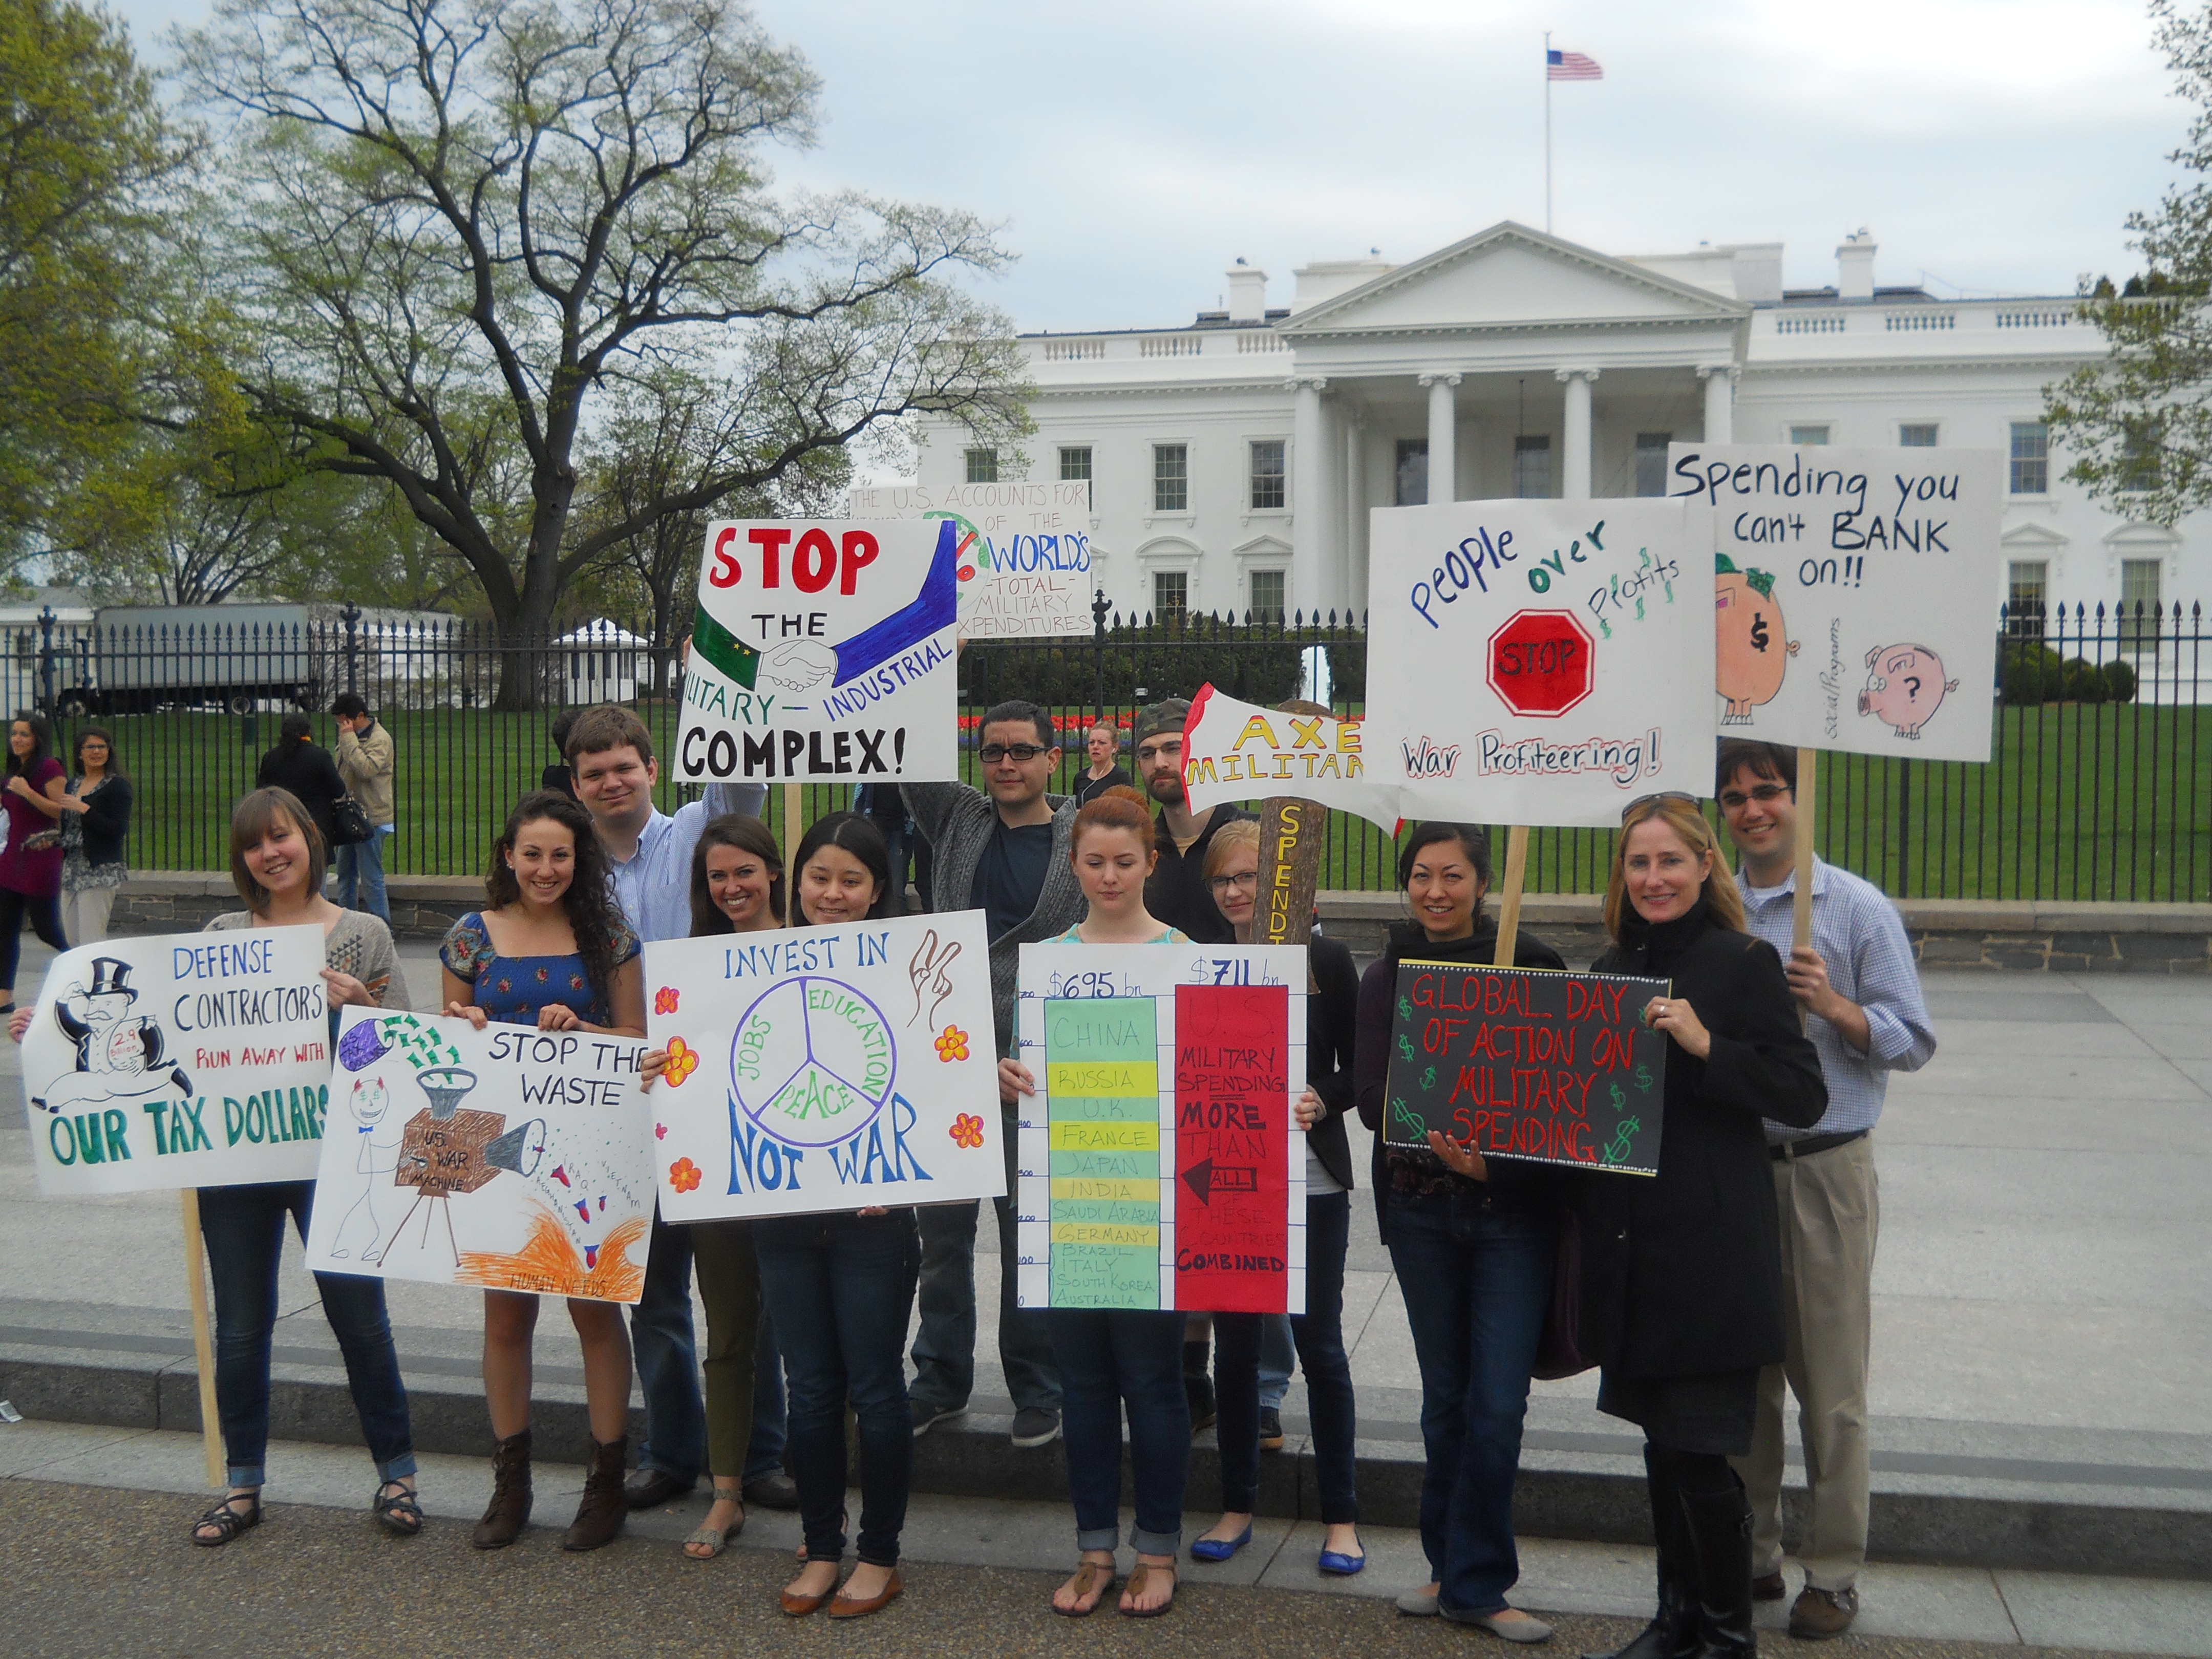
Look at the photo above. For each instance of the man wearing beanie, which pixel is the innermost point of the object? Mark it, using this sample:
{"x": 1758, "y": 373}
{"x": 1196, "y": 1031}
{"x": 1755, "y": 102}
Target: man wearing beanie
{"x": 1177, "y": 893}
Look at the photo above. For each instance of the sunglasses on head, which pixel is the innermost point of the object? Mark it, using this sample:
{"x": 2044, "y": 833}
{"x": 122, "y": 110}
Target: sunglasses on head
{"x": 1664, "y": 795}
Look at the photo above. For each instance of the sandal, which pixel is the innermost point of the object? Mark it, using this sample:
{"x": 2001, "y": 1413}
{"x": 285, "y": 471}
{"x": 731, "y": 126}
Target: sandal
{"x": 1091, "y": 1579}
{"x": 396, "y": 1509}
{"x": 227, "y": 1521}
{"x": 716, "y": 1539}
{"x": 1140, "y": 1581}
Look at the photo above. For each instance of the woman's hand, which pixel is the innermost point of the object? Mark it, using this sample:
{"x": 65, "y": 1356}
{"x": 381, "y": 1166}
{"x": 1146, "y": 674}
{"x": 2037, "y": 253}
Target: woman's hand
{"x": 874, "y": 1209}
{"x": 469, "y": 1011}
{"x": 558, "y": 1017}
{"x": 1310, "y": 1110}
{"x": 344, "y": 991}
{"x": 1680, "y": 1021}
{"x": 1459, "y": 1156}
{"x": 19, "y": 785}
{"x": 1014, "y": 1079}
{"x": 650, "y": 1064}
{"x": 20, "y": 1022}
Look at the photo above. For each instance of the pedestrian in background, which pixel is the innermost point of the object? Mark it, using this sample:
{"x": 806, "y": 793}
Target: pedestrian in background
{"x": 365, "y": 762}
{"x": 560, "y": 776}
{"x": 1102, "y": 742}
{"x": 95, "y": 820}
{"x": 303, "y": 769}
{"x": 1860, "y": 993}
{"x": 31, "y": 864}
{"x": 882, "y": 805}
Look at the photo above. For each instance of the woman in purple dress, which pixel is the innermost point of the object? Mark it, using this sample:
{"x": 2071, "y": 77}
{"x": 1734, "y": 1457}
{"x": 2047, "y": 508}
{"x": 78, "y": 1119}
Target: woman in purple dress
{"x": 31, "y": 867}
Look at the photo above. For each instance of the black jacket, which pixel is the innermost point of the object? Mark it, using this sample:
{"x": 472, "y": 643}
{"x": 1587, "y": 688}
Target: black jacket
{"x": 1682, "y": 1270}
{"x": 106, "y": 821}
{"x": 1088, "y": 788}
{"x": 1176, "y": 892}
{"x": 1332, "y": 1017}
{"x": 1507, "y": 1180}
{"x": 309, "y": 773}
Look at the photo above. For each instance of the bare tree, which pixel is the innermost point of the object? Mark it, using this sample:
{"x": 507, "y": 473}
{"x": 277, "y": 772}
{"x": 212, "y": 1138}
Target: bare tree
{"x": 458, "y": 221}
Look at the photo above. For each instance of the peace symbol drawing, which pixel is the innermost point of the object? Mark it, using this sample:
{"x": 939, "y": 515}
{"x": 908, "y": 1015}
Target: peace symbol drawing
{"x": 813, "y": 1061}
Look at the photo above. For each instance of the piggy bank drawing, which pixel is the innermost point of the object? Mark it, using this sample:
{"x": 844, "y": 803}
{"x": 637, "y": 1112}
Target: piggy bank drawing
{"x": 1904, "y": 687}
{"x": 1751, "y": 646}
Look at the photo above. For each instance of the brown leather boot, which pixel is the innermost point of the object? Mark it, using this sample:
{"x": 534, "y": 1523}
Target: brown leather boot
{"x": 503, "y": 1521}
{"x": 603, "y": 1512}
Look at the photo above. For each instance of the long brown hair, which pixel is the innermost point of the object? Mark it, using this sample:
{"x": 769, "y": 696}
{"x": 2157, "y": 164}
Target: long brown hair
{"x": 1723, "y": 902}
{"x": 589, "y": 903}
{"x": 250, "y": 823}
{"x": 748, "y": 834}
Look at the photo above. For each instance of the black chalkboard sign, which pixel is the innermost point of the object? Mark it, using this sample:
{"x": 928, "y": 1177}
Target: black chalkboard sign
{"x": 1532, "y": 1064}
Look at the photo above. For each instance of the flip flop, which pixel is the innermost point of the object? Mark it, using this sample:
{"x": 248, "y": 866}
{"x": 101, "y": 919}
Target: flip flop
{"x": 1091, "y": 1579}
{"x": 1140, "y": 1581}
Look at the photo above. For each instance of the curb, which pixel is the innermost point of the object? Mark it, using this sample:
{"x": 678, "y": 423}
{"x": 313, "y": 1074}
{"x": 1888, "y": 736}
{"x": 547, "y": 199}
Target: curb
{"x": 148, "y": 1382}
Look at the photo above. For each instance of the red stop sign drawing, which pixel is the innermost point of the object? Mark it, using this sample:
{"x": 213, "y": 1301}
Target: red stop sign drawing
{"x": 1542, "y": 662}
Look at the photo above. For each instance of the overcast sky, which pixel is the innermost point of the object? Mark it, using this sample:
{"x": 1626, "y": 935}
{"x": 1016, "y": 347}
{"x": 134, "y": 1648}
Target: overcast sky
{"x": 1133, "y": 151}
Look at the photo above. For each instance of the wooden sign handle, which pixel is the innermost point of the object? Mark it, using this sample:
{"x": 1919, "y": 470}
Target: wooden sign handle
{"x": 793, "y": 806}
{"x": 203, "y": 1343}
{"x": 1509, "y": 896}
{"x": 1809, "y": 789}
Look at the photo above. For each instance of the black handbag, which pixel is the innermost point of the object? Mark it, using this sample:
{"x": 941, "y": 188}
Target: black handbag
{"x": 1559, "y": 1349}
{"x": 350, "y": 825}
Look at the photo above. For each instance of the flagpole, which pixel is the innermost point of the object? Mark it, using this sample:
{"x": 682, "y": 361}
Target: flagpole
{"x": 1547, "y": 132}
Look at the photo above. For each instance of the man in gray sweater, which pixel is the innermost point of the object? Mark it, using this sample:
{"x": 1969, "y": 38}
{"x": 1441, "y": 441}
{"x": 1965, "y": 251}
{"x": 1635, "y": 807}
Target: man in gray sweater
{"x": 1006, "y": 854}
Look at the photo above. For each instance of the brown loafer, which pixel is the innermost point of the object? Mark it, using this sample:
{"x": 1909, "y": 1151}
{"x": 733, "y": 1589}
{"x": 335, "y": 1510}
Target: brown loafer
{"x": 1769, "y": 1587}
{"x": 1819, "y": 1615}
{"x": 848, "y": 1607}
{"x": 799, "y": 1606}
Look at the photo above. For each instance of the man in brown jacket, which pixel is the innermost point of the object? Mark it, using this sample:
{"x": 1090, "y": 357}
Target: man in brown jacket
{"x": 364, "y": 759}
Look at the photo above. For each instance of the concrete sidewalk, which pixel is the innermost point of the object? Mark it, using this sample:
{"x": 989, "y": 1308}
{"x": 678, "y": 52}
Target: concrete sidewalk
{"x": 2042, "y": 1374}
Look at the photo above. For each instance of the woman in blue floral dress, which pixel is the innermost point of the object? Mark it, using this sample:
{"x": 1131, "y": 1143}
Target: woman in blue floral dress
{"x": 549, "y": 949}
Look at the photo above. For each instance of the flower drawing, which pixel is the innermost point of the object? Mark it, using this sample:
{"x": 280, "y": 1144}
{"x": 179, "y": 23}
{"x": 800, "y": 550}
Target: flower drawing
{"x": 660, "y": 1132}
{"x": 968, "y": 1131}
{"x": 682, "y": 1061}
{"x": 683, "y": 1175}
{"x": 951, "y": 1044}
{"x": 664, "y": 998}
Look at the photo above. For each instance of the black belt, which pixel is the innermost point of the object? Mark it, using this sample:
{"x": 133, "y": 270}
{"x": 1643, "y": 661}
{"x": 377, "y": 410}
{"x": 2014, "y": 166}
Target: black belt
{"x": 1811, "y": 1143}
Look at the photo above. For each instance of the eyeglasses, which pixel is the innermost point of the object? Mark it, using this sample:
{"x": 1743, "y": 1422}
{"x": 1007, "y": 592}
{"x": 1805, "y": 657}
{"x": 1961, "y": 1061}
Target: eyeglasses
{"x": 1022, "y": 753}
{"x": 1242, "y": 878}
{"x": 1664, "y": 795}
{"x": 1732, "y": 799}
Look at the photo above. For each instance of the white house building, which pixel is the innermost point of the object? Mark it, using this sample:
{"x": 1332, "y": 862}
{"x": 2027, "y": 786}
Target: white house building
{"x": 1233, "y": 460}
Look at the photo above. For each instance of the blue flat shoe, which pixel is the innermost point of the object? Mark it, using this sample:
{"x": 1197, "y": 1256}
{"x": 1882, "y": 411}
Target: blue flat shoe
{"x": 1220, "y": 1549}
{"x": 1343, "y": 1565}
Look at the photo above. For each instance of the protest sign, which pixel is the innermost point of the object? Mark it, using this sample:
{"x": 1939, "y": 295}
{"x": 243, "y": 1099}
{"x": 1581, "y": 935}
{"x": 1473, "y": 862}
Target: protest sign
{"x": 1531, "y": 1064}
{"x": 825, "y": 1068}
{"x": 511, "y": 1158}
{"x": 1538, "y": 662}
{"x": 1234, "y": 751}
{"x": 1855, "y": 593}
{"x": 823, "y": 651}
{"x": 186, "y": 1060}
{"x": 1023, "y": 550}
{"x": 1158, "y": 1164}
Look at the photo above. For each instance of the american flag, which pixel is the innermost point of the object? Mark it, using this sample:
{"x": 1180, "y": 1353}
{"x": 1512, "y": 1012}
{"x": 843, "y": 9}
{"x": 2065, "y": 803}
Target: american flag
{"x": 1570, "y": 66}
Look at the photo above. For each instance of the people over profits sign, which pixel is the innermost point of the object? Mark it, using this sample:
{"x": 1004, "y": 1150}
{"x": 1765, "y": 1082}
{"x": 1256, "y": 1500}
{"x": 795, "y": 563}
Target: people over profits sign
{"x": 1235, "y": 751}
{"x": 1538, "y": 662}
{"x": 823, "y": 651}
{"x": 1854, "y": 594}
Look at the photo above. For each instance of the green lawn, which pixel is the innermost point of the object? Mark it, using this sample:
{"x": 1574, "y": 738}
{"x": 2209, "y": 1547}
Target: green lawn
{"x": 2082, "y": 802}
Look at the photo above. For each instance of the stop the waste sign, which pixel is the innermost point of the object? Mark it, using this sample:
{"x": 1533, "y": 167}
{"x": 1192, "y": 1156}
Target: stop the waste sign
{"x": 1540, "y": 662}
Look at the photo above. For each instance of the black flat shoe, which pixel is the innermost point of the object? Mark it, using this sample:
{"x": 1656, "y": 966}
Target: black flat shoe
{"x": 648, "y": 1489}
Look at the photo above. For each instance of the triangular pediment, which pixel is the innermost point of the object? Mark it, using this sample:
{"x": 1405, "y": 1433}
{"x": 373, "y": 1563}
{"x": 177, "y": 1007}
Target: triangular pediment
{"x": 1511, "y": 276}
{"x": 2032, "y": 537}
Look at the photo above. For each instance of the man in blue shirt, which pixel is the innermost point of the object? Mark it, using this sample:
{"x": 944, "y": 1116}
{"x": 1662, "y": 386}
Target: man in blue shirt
{"x": 610, "y": 755}
{"x": 1860, "y": 993}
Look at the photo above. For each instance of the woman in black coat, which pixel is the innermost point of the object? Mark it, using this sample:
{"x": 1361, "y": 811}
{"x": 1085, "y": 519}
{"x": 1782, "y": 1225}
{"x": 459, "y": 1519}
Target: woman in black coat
{"x": 1681, "y": 1290}
{"x": 300, "y": 764}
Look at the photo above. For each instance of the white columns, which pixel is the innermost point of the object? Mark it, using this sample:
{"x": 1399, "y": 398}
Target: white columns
{"x": 1443, "y": 431}
{"x": 1313, "y": 550}
{"x": 1720, "y": 403}
{"x": 1575, "y": 432}
{"x": 1349, "y": 592}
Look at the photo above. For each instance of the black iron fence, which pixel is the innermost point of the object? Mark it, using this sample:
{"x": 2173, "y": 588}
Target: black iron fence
{"x": 2099, "y": 787}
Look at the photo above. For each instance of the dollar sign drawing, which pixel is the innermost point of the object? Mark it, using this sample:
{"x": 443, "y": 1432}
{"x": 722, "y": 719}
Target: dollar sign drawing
{"x": 1616, "y": 1150}
{"x": 1429, "y": 1078}
{"x": 1759, "y": 635}
{"x": 1606, "y": 626}
{"x": 1639, "y": 608}
{"x": 1406, "y": 1047}
{"x": 1620, "y": 1099}
{"x": 1404, "y": 1008}
{"x": 1410, "y": 1119}
{"x": 1644, "y": 1079}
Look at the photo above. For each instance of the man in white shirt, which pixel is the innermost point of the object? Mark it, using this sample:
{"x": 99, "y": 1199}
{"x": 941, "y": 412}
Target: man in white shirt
{"x": 610, "y": 755}
{"x": 1865, "y": 1013}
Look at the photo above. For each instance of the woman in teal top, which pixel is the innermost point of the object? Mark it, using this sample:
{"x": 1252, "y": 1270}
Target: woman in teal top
{"x": 550, "y": 949}
{"x": 1113, "y": 1359}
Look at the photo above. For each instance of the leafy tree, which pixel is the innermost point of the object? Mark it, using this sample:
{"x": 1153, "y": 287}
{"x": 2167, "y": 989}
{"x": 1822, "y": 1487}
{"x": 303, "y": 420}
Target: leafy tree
{"x": 460, "y": 224}
{"x": 2139, "y": 423}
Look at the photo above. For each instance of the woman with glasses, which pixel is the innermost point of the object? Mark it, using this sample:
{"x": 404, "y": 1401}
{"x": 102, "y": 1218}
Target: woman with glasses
{"x": 1473, "y": 1244}
{"x": 1681, "y": 1285}
{"x": 1232, "y": 874}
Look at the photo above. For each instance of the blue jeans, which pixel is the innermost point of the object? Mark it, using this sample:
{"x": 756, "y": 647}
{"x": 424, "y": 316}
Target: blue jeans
{"x": 1111, "y": 1358}
{"x": 243, "y": 1227}
{"x": 361, "y": 874}
{"x": 668, "y": 1359}
{"x": 1278, "y": 1356}
{"x": 1241, "y": 1340}
{"x": 840, "y": 1287}
{"x": 764, "y": 1450}
{"x": 1476, "y": 1277}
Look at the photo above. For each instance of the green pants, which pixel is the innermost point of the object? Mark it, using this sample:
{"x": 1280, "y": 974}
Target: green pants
{"x": 729, "y": 1285}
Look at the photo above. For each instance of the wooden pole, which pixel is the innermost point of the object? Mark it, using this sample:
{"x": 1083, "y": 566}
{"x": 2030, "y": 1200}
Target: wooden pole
{"x": 792, "y": 811}
{"x": 203, "y": 1343}
{"x": 1508, "y": 898}
{"x": 1808, "y": 798}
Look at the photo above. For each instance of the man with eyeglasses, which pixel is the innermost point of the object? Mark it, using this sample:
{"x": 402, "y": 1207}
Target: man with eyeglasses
{"x": 1860, "y": 993}
{"x": 1006, "y": 854}
{"x": 1176, "y": 892}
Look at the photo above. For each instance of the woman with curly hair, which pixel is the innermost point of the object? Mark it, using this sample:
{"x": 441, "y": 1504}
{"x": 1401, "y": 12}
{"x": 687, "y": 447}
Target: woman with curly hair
{"x": 550, "y": 949}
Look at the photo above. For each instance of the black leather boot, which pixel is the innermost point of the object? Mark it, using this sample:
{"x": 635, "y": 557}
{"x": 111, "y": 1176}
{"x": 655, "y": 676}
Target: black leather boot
{"x": 603, "y": 1512}
{"x": 1672, "y": 1632}
{"x": 1720, "y": 1531}
{"x": 509, "y": 1511}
